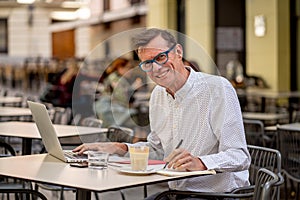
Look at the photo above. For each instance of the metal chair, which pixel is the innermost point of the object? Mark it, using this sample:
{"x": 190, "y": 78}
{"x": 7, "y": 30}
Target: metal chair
{"x": 96, "y": 137}
{"x": 120, "y": 134}
{"x": 289, "y": 146}
{"x": 266, "y": 181}
{"x": 10, "y": 184}
{"x": 61, "y": 115}
{"x": 254, "y": 131}
{"x": 6, "y": 149}
{"x": 296, "y": 116}
{"x": 23, "y": 193}
{"x": 261, "y": 157}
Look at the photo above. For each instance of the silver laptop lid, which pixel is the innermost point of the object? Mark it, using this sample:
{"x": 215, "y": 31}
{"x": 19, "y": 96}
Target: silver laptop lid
{"x": 46, "y": 129}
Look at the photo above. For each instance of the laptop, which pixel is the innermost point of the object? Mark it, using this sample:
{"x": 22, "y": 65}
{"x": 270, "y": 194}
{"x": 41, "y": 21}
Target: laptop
{"x": 49, "y": 136}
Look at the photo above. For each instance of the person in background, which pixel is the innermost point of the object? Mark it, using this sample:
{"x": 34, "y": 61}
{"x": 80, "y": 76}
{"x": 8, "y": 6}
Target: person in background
{"x": 118, "y": 82}
{"x": 235, "y": 74}
{"x": 201, "y": 109}
{"x": 59, "y": 92}
{"x": 65, "y": 89}
{"x": 115, "y": 104}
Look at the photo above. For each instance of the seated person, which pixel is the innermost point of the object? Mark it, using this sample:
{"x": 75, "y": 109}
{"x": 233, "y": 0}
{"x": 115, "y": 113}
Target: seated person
{"x": 201, "y": 109}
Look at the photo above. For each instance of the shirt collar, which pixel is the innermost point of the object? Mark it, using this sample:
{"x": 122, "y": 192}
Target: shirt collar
{"x": 185, "y": 89}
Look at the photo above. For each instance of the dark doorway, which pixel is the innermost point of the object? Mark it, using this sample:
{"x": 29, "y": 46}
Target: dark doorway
{"x": 230, "y": 33}
{"x": 295, "y": 44}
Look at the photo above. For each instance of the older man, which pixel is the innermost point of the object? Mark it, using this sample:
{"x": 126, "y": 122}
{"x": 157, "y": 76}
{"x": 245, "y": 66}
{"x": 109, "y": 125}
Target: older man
{"x": 201, "y": 109}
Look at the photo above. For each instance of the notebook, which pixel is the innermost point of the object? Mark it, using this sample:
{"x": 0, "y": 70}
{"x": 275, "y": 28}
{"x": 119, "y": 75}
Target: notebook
{"x": 49, "y": 136}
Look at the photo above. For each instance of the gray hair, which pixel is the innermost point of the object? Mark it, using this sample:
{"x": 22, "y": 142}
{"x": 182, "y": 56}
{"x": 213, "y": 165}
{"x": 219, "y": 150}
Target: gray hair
{"x": 144, "y": 37}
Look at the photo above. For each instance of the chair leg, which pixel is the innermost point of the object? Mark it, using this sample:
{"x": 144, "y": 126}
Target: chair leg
{"x": 145, "y": 191}
{"x": 285, "y": 188}
{"x": 96, "y": 196}
{"x": 62, "y": 193}
{"x": 122, "y": 195}
{"x": 293, "y": 191}
{"x": 36, "y": 187}
{"x": 297, "y": 194}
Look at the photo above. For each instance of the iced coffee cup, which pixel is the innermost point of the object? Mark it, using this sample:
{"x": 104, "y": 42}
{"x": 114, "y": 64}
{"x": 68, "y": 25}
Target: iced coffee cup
{"x": 139, "y": 158}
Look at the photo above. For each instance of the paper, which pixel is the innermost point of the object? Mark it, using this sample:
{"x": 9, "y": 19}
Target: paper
{"x": 150, "y": 162}
{"x": 158, "y": 169}
{"x": 167, "y": 172}
{"x": 126, "y": 160}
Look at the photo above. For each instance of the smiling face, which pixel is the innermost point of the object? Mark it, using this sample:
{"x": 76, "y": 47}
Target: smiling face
{"x": 172, "y": 74}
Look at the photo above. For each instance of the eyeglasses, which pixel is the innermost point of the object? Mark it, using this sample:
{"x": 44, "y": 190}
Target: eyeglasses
{"x": 159, "y": 59}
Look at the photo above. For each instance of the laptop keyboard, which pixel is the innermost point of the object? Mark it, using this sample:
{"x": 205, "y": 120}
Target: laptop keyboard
{"x": 73, "y": 155}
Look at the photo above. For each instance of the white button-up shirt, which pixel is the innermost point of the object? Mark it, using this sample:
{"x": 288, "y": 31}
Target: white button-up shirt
{"x": 206, "y": 114}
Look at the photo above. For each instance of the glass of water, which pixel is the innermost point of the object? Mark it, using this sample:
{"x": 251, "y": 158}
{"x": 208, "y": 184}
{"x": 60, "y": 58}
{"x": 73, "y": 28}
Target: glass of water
{"x": 97, "y": 159}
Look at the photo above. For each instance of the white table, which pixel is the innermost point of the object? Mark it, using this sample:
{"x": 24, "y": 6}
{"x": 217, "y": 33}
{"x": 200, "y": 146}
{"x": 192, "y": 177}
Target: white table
{"x": 267, "y": 93}
{"x": 265, "y": 116}
{"x": 291, "y": 127}
{"x": 264, "y": 94}
{"x": 47, "y": 169}
{"x": 28, "y": 131}
{"x": 273, "y": 129}
{"x": 14, "y": 112}
{"x": 7, "y": 99}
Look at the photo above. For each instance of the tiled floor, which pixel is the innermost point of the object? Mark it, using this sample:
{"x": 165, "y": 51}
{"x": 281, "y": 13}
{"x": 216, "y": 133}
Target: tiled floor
{"x": 136, "y": 193}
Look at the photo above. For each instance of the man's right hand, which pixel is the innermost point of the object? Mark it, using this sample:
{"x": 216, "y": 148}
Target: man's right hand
{"x": 109, "y": 147}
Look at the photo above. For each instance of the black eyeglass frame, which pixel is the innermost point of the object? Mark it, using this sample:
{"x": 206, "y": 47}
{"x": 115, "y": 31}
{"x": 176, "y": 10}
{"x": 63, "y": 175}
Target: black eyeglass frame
{"x": 154, "y": 59}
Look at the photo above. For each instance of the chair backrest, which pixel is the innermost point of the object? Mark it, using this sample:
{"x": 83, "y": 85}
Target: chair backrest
{"x": 289, "y": 146}
{"x": 6, "y": 149}
{"x": 266, "y": 181}
{"x": 296, "y": 116}
{"x": 76, "y": 120}
{"x": 61, "y": 115}
{"x": 262, "y": 157}
{"x": 254, "y": 130}
{"x": 120, "y": 134}
{"x": 92, "y": 122}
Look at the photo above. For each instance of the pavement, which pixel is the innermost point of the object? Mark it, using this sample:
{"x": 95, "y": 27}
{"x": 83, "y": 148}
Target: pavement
{"x": 136, "y": 193}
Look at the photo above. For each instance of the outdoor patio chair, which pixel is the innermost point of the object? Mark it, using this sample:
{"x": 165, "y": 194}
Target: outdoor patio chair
{"x": 289, "y": 146}
{"x": 261, "y": 157}
{"x": 266, "y": 181}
